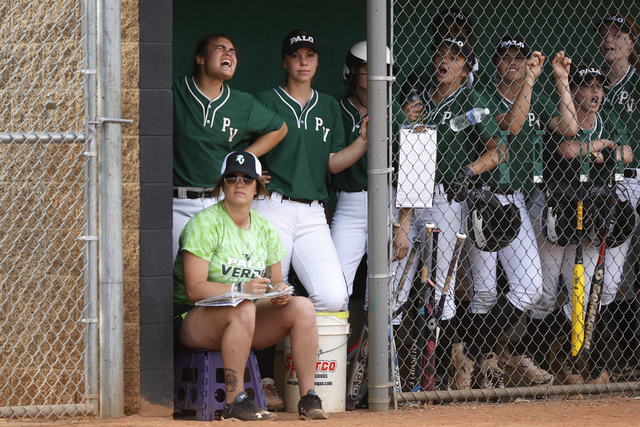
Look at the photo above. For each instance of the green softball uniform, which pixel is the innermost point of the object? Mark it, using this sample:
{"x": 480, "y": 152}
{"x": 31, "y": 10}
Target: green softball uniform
{"x": 298, "y": 164}
{"x": 234, "y": 255}
{"x": 623, "y": 98}
{"x": 353, "y": 178}
{"x": 521, "y": 149}
{"x": 457, "y": 149}
{"x": 558, "y": 169}
{"x": 205, "y": 130}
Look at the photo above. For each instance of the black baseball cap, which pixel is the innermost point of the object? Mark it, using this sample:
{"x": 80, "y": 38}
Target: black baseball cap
{"x": 243, "y": 162}
{"x": 297, "y": 39}
{"x": 584, "y": 74}
{"x": 454, "y": 13}
{"x": 624, "y": 24}
{"x": 507, "y": 42}
{"x": 461, "y": 46}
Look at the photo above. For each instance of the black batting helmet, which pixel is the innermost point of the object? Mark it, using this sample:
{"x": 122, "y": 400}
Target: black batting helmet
{"x": 560, "y": 218}
{"x": 619, "y": 225}
{"x": 491, "y": 225}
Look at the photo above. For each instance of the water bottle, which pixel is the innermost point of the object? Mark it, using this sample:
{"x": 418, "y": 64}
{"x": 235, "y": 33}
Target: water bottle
{"x": 469, "y": 118}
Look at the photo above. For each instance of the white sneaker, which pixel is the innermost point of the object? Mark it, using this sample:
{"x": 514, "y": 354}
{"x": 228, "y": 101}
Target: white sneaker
{"x": 272, "y": 398}
{"x": 463, "y": 375}
{"x": 529, "y": 369}
{"x": 490, "y": 375}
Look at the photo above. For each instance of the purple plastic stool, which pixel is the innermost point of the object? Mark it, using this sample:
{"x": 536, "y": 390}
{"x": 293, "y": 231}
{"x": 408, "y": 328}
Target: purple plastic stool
{"x": 199, "y": 382}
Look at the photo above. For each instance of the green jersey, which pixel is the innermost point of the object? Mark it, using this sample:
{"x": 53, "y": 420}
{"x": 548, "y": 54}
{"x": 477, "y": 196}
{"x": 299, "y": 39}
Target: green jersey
{"x": 353, "y": 178}
{"x": 205, "y": 130}
{"x": 298, "y": 164}
{"x": 560, "y": 170}
{"x": 522, "y": 152}
{"x": 457, "y": 149}
{"x": 624, "y": 98}
{"x": 234, "y": 255}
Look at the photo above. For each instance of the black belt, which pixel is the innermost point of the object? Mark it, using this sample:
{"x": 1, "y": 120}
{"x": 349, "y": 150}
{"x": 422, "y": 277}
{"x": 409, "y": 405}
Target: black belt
{"x": 631, "y": 173}
{"x": 293, "y": 199}
{"x": 205, "y": 194}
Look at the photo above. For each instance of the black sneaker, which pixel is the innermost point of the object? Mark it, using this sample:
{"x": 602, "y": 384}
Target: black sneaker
{"x": 246, "y": 409}
{"x": 310, "y": 407}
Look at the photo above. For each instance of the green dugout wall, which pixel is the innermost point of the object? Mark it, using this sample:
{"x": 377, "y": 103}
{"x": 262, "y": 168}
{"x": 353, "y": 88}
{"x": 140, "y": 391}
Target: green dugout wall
{"x": 257, "y": 28}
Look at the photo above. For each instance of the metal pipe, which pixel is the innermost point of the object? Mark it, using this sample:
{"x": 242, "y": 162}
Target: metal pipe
{"x": 9, "y": 412}
{"x": 33, "y": 137}
{"x": 91, "y": 361}
{"x": 110, "y": 211}
{"x": 513, "y": 392}
{"x": 378, "y": 196}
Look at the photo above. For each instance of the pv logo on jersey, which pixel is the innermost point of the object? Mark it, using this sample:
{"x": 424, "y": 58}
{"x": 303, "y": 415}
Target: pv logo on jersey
{"x": 625, "y": 99}
{"x": 325, "y": 131}
{"x": 226, "y": 123}
{"x": 447, "y": 115}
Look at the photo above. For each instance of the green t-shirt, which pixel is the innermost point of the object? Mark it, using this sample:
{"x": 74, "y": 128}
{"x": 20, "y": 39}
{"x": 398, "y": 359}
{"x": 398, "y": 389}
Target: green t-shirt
{"x": 205, "y": 131}
{"x": 624, "y": 98}
{"x": 560, "y": 170}
{"x": 298, "y": 164}
{"x": 517, "y": 173}
{"x": 457, "y": 149}
{"x": 353, "y": 178}
{"x": 234, "y": 254}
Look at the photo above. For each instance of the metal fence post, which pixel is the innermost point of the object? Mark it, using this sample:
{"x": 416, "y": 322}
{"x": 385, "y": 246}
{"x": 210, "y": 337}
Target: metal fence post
{"x": 379, "y": 381}
{"x": 110, "y": 211}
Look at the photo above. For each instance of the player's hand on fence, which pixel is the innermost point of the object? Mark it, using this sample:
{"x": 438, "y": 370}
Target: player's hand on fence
{"x": 459, "y": 187}
{"x": 561, "y": 66}
{"x": 265, "y": 178}
{"x": 283, "y": 299}
{"x": 413, "y": 110}
{"x": 364, "y": 129}
{"x": 401, "y": 242}
{"x": 534, "y": 66}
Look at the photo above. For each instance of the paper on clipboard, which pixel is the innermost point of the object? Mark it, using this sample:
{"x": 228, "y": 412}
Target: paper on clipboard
{"x": 416, "y": 167}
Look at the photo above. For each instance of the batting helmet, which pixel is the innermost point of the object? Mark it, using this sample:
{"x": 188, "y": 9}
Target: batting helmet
{"x": 490, "y": 224}
{"x": 618, "y": 226}
{"x": 559, "y": 218}
{"x": 357, "y": 56}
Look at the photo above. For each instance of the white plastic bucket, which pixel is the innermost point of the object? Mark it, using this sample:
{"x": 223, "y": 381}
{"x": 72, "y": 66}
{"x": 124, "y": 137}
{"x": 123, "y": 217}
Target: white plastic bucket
{"x": 331, "y": 367}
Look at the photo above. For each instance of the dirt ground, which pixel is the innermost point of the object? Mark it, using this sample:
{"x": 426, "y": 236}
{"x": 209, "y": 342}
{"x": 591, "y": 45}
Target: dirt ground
{"x": 612, "y": 411}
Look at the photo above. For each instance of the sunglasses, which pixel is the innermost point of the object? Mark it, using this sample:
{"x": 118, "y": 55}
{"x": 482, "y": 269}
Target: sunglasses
{"x": 233, "y": 179}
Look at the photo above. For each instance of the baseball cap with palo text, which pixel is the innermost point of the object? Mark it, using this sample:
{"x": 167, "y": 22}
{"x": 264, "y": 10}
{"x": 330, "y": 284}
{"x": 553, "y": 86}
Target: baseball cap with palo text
{"x": 297, "y": 39}
{"x": 243, "y": 162}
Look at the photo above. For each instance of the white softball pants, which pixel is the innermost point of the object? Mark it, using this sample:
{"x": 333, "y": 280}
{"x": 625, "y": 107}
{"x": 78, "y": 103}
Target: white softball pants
{"x": 520, "y": 261}
{"x": 349, "y": 232}
{"x": 305, "y": 235}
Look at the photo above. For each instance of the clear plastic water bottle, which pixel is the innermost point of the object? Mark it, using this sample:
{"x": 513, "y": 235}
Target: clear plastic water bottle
{"x": 469, "y": 118}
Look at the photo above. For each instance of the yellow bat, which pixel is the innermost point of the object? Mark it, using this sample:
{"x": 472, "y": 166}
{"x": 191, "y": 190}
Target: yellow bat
{"x": 577, "y": 297}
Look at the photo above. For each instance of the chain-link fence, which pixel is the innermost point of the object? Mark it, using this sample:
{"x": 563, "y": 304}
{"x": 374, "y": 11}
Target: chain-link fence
{"x": 43, "y": 157}
{"x": 526, "y": 115}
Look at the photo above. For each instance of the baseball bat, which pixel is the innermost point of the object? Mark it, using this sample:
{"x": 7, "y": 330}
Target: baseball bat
{"x": 577, "y": 296}
{"x": 358, "y": 378}
{"x": 460, "y": 237}
{"x": 416, "y": 351}
{"x": 594, "y": 298}
{"x": 597, "y": 280}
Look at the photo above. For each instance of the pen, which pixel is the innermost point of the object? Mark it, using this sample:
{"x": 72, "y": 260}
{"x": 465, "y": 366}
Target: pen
{"x": 256, "y": 275}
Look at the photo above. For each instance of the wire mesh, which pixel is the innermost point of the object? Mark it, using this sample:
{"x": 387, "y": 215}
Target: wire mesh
{"x": 42, "y": 169}
{"x": 521, "y": 185}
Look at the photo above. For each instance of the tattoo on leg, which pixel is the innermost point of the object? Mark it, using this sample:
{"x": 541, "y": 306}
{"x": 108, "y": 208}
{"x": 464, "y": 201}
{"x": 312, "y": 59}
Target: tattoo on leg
{"x": 230, "y": 379}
